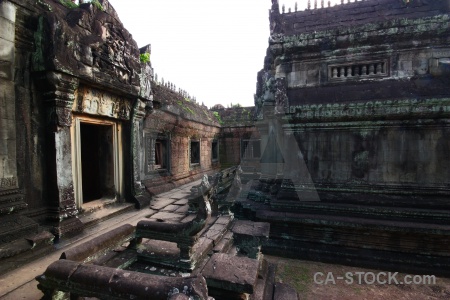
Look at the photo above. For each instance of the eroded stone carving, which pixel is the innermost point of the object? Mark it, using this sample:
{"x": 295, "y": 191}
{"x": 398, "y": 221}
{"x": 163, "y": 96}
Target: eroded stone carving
{"x": 95, "y": 102}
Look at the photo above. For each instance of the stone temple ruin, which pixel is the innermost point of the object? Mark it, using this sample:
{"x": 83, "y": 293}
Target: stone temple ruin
{"x": 344, "y": 158}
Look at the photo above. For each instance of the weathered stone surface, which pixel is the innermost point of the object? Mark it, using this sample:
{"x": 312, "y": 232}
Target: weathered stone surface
{"x": 285, "y": 292}
{"x": 232, "y": 273}
{"x": 95, "y": 247}
{"x": 159, "y": 203}
{"x": 90, "y": 43}
{"x": 347, "y": 102}
{"x": 250, "y": 236}
{"x": 104, "y": 282}
{"x": 251, "y": 229}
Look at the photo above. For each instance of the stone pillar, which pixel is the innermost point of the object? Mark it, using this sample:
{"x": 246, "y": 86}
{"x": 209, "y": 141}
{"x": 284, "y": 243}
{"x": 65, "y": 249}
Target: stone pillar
{"x": 58, "y": 97}
{"x": 12, "y": 225}
{"x": 137, "y": 151}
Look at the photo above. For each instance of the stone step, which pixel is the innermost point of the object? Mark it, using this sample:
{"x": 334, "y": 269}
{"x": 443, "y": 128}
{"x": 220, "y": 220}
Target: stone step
{"x": 356, "y": 222}
{"x": 225, "y": 244}
{"x": 106, "y": 212}
{"x": 433, "y": 216}
{"x": 23, "y": 250}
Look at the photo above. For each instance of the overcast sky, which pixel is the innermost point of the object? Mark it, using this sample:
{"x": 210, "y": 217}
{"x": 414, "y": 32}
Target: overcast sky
{"x": 212, "y": 49}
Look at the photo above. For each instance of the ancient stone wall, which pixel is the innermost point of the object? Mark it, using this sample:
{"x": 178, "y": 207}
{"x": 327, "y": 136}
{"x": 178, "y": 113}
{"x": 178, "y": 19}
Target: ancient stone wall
{"x": 172, "y": 131}
{"x": 363, "y": 88}
{"x": 238, "y": 130}
{"x": 21, "y": 135}
{"x": 358, "y": 13}
{"x": 55, "y": 52}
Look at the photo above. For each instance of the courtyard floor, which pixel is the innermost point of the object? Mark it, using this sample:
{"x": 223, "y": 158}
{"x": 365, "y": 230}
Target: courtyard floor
{"x": 20, "y": 283}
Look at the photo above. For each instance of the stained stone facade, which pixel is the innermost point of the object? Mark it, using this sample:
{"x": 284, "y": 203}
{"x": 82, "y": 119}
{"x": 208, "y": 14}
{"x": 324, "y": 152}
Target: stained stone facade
{"x": 356, "y": 97}
{"x": 366, "y": 98}
{"x": 178, "y": 140}
{"x": 350, "y": 143}
{"x": 240, "y": 141}
{"x": 77, "y": 121}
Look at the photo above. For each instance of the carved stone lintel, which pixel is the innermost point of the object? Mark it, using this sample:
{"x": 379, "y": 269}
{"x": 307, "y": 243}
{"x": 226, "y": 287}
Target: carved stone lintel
{"x": 101, "y": 103}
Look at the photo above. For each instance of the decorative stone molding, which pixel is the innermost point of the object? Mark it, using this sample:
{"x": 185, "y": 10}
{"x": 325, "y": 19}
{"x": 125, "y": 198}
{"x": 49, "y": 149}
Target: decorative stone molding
{"x": 390, "y": 109}
{"x": 58, "y": 95}
{"x": 394, "y": 30}
{"x": 358, "y": 70}
{"x": 95, "y": 102}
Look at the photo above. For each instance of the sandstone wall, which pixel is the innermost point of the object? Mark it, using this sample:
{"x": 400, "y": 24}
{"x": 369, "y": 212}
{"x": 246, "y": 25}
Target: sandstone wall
{"x": 176, "y": 122}
{"x": 358, "y": 13}
{"x": 363, "y": 88}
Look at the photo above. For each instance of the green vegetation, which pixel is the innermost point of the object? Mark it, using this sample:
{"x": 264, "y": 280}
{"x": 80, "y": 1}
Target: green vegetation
{"x": 216, "y": 114}
{"x": 145, "y": 57}
{"x": 235, "y": 105}
{"x": 100, "y": 7}
{"x": 68, "y": 3}
{"x": 185, "y": 108}
{"x": 188, "y": 109}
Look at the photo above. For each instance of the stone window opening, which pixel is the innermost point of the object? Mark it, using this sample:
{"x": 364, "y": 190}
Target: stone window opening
{"x": 214, "y": 150}
{"x": 251, "y": 149}
{"x": 160, "y": 154}
{"x": 194, "y": 150}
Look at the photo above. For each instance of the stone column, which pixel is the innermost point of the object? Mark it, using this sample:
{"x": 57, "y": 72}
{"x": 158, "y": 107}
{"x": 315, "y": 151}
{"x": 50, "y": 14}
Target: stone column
{"x": 142, "y": 198}
{"x": 58, "y": 97}
{"x": 12, "y": 225}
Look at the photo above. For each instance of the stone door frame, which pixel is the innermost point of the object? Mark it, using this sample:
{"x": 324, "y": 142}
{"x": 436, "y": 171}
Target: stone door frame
{"x": 76, "y": 155}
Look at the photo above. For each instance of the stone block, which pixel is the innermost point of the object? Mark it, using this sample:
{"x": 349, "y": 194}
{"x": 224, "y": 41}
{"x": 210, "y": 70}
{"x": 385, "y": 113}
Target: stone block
{"x": 171, "y": 208}
{"x": 251, "y": 229}
{"x": 166, "y": 216}
{"x": 7, "y": 29}
{"x": 100, "y": 244}
{"x": 231, "y": 273}
{"x": 160, "y": 203}
{"x": 8, "y": 11}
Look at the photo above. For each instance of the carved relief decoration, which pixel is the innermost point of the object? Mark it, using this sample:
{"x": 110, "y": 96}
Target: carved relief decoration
{"x": 392, "y": 109}
{"x": 96, "y": 102}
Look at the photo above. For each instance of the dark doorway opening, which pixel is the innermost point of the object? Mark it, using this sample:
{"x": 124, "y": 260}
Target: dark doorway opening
{"x": 97, "y": 161}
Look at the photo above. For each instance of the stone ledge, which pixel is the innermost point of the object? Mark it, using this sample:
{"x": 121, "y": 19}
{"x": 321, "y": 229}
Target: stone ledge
{"x": 231, "y": 273}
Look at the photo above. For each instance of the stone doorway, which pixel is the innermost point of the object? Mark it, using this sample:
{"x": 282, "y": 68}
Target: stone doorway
{"x": 97, "y": 163}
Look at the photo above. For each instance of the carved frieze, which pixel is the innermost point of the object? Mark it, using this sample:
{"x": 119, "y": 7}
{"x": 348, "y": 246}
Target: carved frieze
{"x": 96, "y": 102}
{"x": 390, "y": 109}
{"x": 8, "y": 183}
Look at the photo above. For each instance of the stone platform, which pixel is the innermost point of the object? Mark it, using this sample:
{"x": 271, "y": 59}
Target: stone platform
{"x": 384, "y": 237}
{"x": 225, "y": 253}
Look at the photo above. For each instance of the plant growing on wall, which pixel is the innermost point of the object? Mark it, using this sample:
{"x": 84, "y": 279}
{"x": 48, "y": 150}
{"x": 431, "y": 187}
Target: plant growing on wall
{"x": 68, "y": 3}
{"x": 216, "y": 114}
{"x": 145, "y": 57}
{"x": 98, "y": 5}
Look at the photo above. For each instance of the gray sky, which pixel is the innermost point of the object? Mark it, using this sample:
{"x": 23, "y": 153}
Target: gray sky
{"x": 212, "y": 49}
